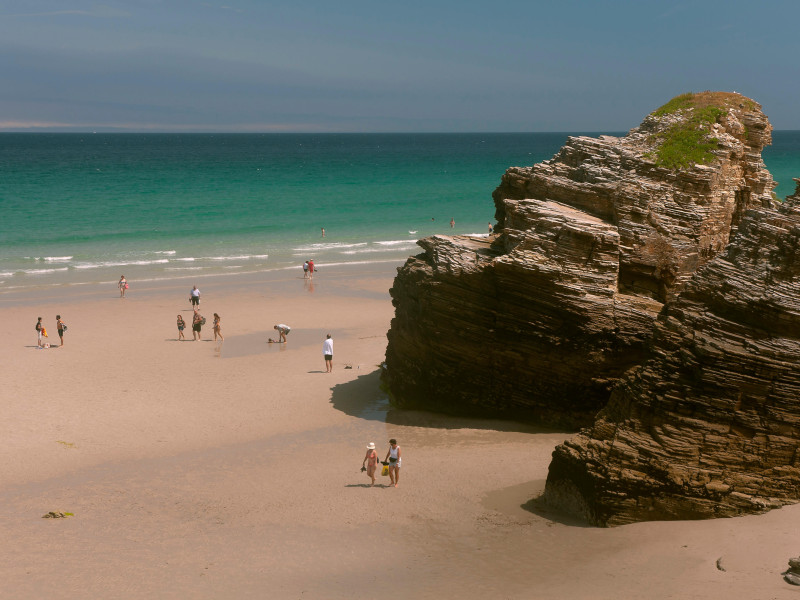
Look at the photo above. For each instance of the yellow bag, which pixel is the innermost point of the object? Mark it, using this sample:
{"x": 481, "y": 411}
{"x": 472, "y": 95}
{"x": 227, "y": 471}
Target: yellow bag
{"x": 385, "y": 470}
{"x": 44, "y": 332}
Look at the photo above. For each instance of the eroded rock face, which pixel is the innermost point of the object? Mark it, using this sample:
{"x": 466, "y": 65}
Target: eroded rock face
{"x": 710, "y": 425}
{"x": 540, "y": 321}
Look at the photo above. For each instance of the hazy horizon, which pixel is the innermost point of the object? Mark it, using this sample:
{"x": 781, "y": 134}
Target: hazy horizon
{"x": 364, "y": 67}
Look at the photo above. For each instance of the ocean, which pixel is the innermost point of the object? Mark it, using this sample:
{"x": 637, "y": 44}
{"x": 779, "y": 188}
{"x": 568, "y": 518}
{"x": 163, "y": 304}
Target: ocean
{"x": 87, "y": 208}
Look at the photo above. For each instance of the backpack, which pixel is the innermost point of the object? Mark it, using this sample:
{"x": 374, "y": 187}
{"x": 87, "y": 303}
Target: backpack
{"x": 63, "y": 326}
{"x": 203, "y": 321}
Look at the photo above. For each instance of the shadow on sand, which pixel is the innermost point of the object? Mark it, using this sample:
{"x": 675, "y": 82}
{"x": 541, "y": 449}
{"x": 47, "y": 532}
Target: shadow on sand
{"x": 364, "y": 398}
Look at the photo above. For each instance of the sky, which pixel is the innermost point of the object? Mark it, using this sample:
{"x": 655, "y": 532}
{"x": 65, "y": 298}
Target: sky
{"x": 379, "y": 66}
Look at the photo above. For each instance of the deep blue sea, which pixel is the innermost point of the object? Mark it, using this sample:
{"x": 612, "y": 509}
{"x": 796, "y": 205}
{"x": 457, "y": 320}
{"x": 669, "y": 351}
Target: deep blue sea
{"x": 81, "y": 208}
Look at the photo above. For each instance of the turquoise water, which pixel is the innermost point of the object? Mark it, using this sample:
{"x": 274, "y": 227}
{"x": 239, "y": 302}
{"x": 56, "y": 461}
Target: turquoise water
{"x": 81, "y": 208}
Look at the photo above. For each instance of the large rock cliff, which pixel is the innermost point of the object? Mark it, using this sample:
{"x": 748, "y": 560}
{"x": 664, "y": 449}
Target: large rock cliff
{"x": 710, "y": 425}
{"x": 542, "y": 319}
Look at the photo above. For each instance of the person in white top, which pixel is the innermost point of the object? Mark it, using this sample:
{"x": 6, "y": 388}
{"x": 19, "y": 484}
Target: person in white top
{"x": 327, "y": 352}
{"x": 395, "y": 458}
{"x": 282, "y": 331}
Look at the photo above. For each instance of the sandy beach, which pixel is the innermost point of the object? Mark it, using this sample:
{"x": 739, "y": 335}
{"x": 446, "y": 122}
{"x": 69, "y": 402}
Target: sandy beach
{"x": 232, "y": 470}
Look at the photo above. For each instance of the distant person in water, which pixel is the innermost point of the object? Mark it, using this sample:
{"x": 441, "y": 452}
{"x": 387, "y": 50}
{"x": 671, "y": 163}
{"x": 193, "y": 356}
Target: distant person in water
{"x": 323, "y": 232}
{"x": 181, "y": 327}
{"x": 327, "y": 353}
{"x": 311, "y": 269}
{"x": 491, "y": 229}
{"x": 194, "y": 297}
{"x": 452, "y": 223}
{"x": 282, "y": 330}
{"x": 218, "y": 328}
{"x": 305, "y": 270}
{"x": 123, "y": 285}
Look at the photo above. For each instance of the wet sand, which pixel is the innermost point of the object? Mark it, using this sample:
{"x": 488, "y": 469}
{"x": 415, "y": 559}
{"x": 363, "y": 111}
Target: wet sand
{"x": 206, "y": 470}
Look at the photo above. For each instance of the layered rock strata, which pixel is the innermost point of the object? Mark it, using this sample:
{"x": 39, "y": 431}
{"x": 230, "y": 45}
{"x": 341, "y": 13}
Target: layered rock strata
{"x": 541, "y": 320}
{"x": 710, "y": 425}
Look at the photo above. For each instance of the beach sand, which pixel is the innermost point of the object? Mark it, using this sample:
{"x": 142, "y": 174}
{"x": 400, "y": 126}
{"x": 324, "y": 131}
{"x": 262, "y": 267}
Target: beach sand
{"x": 204, "y": 470}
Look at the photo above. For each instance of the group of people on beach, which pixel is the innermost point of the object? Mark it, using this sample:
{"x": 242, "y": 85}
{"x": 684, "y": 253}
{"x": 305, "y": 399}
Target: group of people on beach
{"x": 199, "y": 320}
{"x": 391, "y": 462}
{"x": 41, "y": 332}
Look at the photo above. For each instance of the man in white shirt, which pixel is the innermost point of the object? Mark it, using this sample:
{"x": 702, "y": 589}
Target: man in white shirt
{"x": 327, "y": 352}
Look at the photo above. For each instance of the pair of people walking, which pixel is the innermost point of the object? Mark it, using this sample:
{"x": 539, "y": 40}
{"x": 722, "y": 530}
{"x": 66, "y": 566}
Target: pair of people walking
{"x": 393, "y": 460}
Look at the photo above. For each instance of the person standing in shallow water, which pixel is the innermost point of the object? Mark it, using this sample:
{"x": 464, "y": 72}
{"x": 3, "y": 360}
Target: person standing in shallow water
{"x": 395, "y": 458}
{"x": 371, "y": 462}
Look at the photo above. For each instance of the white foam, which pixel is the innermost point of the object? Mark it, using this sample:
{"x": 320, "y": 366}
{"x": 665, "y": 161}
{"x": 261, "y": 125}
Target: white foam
{"x": 397, "y": 243}
{"x": 321, "y": 247}
{"x": 43, "y": 271}
{"x": 374, "y": 250}
{"x": 103, "y": 264}
{"x": 57, "y": 258}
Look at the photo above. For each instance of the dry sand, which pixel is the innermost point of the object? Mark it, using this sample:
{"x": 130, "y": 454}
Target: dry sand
{"x": 204, "y": 470}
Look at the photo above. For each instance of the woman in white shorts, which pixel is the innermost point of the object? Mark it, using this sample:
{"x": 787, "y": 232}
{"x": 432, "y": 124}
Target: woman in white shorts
{"x": 395, "y": 458}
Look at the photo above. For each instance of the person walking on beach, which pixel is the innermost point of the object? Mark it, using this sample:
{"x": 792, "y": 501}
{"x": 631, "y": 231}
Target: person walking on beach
{"x": 282, "y": 330}
{"x": 305, "y": 270}
{"x": 194, "y": 297}
{"x": 218, "y": 328}
{"x": 311, "y": 269}
{"x": 61, "y": 328}
{"x": 371, "y": 462}
{"x": 327, "y": 352}
{"x": 123, "y": 286}
{"x": 39, "y": 333}
{"x": 197, "y": 324}
{"x": 394, "y": 457}
{"x": 181, "y": 327}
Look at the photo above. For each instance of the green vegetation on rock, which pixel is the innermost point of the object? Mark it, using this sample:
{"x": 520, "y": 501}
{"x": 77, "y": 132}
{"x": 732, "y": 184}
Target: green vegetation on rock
{"x": 687, "y": 142}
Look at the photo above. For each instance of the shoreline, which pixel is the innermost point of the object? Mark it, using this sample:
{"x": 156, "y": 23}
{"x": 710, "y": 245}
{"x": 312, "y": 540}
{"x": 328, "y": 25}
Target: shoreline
{"x": 232, "y": 469}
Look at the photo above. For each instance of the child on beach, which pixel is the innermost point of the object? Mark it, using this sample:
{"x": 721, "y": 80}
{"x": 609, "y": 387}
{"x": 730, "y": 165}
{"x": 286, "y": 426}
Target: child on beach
{"x": 181, "y": 327}
{"x": 372, "y": 465}
{"x": 39, "y": 333}
{"x": 61, "y": 327}
{"x": 218, "y": 328}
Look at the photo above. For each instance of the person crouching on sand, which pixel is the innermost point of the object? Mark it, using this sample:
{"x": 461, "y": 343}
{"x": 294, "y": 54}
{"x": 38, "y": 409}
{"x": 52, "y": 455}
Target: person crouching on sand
{"x": 394, "y": 457}
{"x": 371, "y": 461}
{"x": 282, "y": 331}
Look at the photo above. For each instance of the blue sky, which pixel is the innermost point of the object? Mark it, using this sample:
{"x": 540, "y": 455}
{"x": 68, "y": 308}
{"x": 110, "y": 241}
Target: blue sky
{"x": 373, "y": 65}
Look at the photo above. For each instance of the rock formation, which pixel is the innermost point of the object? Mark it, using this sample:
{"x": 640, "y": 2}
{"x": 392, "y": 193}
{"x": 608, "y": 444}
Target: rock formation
{"x": 542, "y": 319}
{"x": 710, "y": 425}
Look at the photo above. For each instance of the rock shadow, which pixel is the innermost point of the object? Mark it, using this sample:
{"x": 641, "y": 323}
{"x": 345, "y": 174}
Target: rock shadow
{"x": 540, "y": 508}
{"x": 364, "y": 398}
